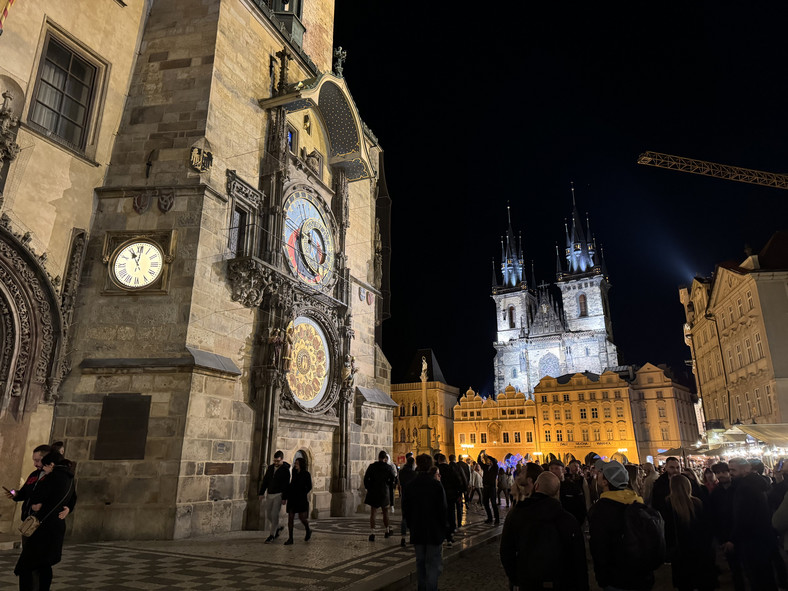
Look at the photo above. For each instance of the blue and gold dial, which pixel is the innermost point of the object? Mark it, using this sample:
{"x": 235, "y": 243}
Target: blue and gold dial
{"x": 308, "y": 241}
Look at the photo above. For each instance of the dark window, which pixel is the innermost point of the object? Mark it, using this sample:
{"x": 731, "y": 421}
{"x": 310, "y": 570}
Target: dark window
{"x": 238, "y": 232}
{"x": 583, "y": 304}
{"x": 512, "y": 323}
{"x": 63, "y": 96}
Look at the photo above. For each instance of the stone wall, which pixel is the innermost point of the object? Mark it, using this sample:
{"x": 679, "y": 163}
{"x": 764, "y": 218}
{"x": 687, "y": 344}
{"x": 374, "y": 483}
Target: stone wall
{"x": 370, "y": 433}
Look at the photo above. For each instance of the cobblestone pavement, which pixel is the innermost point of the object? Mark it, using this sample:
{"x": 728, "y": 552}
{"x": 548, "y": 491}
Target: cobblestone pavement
{"x": 339, "y": 556}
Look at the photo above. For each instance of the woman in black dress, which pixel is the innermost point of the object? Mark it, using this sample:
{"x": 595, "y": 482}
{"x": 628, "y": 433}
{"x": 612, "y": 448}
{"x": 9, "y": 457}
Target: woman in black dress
{"x": 42, "y": 550}
{"x": 297, "y": 501}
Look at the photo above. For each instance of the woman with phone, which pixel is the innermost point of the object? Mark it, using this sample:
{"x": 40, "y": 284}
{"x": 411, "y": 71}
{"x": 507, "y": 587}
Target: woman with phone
{"x": 42, "y": 550}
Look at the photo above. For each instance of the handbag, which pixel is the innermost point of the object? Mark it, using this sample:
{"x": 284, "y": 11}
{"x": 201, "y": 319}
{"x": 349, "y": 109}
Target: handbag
{"x": 32, "y": 523}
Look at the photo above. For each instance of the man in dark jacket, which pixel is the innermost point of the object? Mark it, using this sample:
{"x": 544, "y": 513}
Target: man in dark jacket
{"x": 542, "y": 546}
{"x": 453, "y": 489}
{"x": 458, "y": 470}
{"x": 275, "y": 483}
{"x": 606, "y": 522}
{"x": 721, "y": 509}
{"x": 406, "y": 475}
{"x": 661, "y": 488}
{"x": 424, "y": 506}
{"x": 752, "y": 537}
{"x": 378, "y": 480}
{"x": 489, "y": 466}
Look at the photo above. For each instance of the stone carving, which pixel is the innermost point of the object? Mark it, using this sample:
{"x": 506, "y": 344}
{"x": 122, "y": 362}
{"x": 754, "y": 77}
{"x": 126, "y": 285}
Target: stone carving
{"x": 423, "y": 369}
{"x": 284, "y": 57}
{"x": 275, "y": 342}
{"x": 166, "y": 200}
{"x": 288, "y": 344}
{"x": 141, "y": 201}
{"x": 240, "y": 189}
{"x": 313, "y": 162}
{"x": 73, "y": 271}
{"x": 9, "y": 149}
{"x": 340, "y": 55}
{"x": 349, "y": 371}
{"x": 378, "y": 262}
{"x": 249, "y": 280}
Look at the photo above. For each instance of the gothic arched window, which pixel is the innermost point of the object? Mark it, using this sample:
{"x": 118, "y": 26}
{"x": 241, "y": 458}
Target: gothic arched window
{"x": 428, "y": 410}
{"x": 402, "y": 435}
{"x": 512, "y": 323}
{"x": 415, "y": 433}
{"x": 514, "y": 372}
{"x": 583, "y": 304}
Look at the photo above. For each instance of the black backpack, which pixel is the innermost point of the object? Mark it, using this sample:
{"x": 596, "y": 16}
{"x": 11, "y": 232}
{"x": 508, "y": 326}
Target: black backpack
{"x": 644, "y": 536}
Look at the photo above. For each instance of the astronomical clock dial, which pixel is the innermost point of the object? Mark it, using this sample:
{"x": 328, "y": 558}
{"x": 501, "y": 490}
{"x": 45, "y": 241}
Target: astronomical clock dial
{"x": 308, "y": 241}
{"x": 136, "y": 264}
{"x": 310, "y": 363}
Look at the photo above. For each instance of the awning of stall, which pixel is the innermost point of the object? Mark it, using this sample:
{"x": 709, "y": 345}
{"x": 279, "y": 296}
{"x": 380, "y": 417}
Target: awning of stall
{"x": 775, "y": 434}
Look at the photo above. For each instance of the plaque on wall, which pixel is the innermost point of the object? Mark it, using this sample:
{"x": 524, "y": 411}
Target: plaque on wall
{"x": 123, "y": 427}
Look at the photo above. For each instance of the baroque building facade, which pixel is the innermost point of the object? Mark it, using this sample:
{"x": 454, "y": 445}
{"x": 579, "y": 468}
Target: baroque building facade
{"x": 735, "y": 329}
{"x": 580, "y": 416}
{"x": 409, "y": 417}
{"x": 545, "y": 330}
{"x": 233, "y": 270}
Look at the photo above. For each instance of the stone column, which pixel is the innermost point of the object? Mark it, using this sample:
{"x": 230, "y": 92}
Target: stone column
{"x": 425, "y": 432}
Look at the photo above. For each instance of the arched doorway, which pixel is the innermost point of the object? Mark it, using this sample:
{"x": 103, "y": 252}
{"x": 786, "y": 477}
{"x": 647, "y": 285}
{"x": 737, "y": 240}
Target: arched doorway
{"x": 619, "y": 457}
{"x": 591, "y": 458}
{"x": 568, "y": 457}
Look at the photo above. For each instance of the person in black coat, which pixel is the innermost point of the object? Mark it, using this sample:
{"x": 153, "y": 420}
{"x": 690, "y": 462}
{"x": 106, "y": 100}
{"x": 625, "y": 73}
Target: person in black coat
{"x": 406, "y": 475}
{"x": 378, "y": 479}
{"x": 542, "y": 545}
{"x": 424, "y": 506}
{"x": 452, "y": 486}
{"x": 489, "y": 466}
{"x": 297, "y": 499}
{"x": 42, "y": 550}
{"x": 273, "y": 488}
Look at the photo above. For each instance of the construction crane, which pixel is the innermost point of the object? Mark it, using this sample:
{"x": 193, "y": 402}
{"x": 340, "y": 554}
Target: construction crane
{"x": 720, "y": 171}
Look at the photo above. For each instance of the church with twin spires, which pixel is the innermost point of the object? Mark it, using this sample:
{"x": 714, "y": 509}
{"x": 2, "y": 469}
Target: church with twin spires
{"x": 552, "y": 330}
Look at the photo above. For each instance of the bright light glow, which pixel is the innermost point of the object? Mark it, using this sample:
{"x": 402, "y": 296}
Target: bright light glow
{"x": 622, "y": 450}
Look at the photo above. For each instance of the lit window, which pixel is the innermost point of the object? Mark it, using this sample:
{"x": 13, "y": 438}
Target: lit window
{"x": 584, "y": 434}
{"x": 596, "y": 434}
{"x": 559, "y": 435}
{"x": 607, "y": 412}
{"x": 620, "y": 412}
{"x": 557, "y": 415}
{"x": 605, "y": 395}
{"x": 581, "y": 396}
{"x": 292, "y": 139}
{"x": 570, "y": 435}
{"x": 473, "y": 437}
{"x": 547, "y": 435}
{"x": 64, "y": 95}
{"x": 610, "y": 434}
{"x": 568, "y": 414}
{"x": 662, "y": 412}
{"x": 462, "y": 437}
{"x": 545, "y": 415}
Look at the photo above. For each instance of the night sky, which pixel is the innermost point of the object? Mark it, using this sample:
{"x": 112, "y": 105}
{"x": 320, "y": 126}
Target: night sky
{"x": 511, "y": 102}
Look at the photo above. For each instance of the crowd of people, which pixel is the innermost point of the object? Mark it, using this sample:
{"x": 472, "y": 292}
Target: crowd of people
{"x": 632, "y": 518}
{"x": 49, "y": 496}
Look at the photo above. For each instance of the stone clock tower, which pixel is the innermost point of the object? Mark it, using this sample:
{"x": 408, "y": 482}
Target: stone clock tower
{"x": 235, "y": 279}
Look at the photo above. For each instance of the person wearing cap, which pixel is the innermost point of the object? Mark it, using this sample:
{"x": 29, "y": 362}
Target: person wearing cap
{"x": 606, "y": 528}
{"x": 542, "y": 545}
{"x": 378, "y": 479}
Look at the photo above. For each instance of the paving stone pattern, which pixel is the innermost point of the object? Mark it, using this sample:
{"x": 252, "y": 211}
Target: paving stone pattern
{"x": 339, "y": 556}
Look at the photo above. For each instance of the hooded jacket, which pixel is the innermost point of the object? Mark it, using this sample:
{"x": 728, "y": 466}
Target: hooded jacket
{"x": 606, "y": 527}
{"x": 541, "y": 543}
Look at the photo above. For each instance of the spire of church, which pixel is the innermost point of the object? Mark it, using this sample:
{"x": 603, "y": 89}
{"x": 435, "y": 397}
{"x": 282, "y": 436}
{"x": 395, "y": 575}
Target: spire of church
{"x": 512, "y": 259}
{"x": 559, "y": 272}
{"x": 494, "y": 278}
{"x": 533, "y": 275}
{"x": 579, "y": 252}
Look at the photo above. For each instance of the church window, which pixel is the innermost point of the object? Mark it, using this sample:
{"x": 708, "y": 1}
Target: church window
{"x": 758, "y": 345}
{"x": 529, "y": 437}
{"x": 607, "y": 412}
{"x": 557, "y": 415}
{"x": 547, "y": 436}
{"x": 750, "y": 303}
{"x": 582, "y": 304}
{"x": 568, "y": 414}
{"x": 292, "y": 139}
{"x": 582, "y": 413}
{"x": 559, "y": 435}
{"x": 483, "y": 437}
{"x": 512, "y": 323}
{"x": 570, "y": 435}
{"x": 545, "y": 415}
{"x": 584, "y": 434}
{"x": 506, "y": 437}
{"x": 748, "y": 347}
{"x": 544, "y": 398}
{"x": 462, "y": 438}
{"x": 620, "y": 412}
{"x": 596, "y": 434}
{"x": 566, "y": 397}
{"x": 414, "y": 410}
{"x": 610, "y": 434}
{"x": 594, "y": 412}
{"x": 63, "y": 101}
{"x": 402, "y": 435}
{"x": 662, "y": 412}
{"x": 473, "y": 437}
{"x": 581, "y": 396}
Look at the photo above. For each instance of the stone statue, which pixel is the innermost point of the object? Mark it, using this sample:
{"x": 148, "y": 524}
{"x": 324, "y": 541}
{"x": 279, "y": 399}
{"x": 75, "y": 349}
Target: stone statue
{"x": 349, "y": 371}
{"x": 340, "y": 55}
{"x": 424, "y": 369}
{"x": 288, "y": 345}
{"x": 276, "y": 342}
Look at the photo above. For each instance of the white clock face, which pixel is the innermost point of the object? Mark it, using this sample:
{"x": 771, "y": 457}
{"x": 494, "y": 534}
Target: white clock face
{"x": 137, "y": 264}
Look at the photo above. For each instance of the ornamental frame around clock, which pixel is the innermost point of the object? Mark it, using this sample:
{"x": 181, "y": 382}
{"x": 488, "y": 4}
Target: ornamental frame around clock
{"x": 114, "y": 245}
{"x": 309, "y": 238}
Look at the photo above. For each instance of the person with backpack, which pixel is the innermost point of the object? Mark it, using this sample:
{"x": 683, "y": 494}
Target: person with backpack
{"x": 688, "y": 539}
{"x": 542, "y": 546}
{"x": 627, "y": 538}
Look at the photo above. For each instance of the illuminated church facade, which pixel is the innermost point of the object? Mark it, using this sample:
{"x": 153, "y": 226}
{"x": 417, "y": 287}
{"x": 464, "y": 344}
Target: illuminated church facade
{"x": 551, "y": 330}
